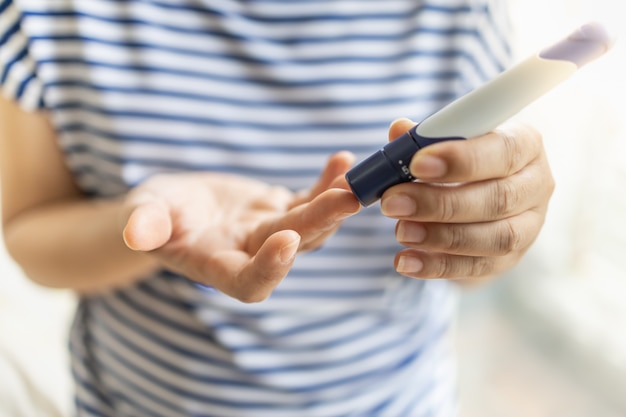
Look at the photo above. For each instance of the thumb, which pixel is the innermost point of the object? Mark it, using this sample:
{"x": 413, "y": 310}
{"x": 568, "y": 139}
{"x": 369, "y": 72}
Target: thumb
{"x": 149, "y": 226}
{"x": 399, "y": 127}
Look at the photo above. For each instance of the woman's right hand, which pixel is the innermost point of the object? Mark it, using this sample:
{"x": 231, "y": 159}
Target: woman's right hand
{"x": 233, "y": 233}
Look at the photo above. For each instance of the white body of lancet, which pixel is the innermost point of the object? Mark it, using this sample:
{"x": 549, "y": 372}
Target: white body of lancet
{"x": 488, "y": 106}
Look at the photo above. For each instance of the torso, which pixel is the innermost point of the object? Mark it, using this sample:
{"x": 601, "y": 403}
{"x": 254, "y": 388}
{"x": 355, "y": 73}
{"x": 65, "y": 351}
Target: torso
{"x": 269, "y": 89}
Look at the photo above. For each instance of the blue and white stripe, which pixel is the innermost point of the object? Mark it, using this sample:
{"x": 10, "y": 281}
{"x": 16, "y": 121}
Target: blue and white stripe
{"x": 269, "y": 89}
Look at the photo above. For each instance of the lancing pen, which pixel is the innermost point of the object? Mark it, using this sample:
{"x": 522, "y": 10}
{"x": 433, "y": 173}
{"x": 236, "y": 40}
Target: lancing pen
{"x": 479, "y": 111}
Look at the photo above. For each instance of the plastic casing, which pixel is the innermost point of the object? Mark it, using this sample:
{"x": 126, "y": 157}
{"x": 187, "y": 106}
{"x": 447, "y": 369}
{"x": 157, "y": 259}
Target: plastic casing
{"x": 479, "y": 111}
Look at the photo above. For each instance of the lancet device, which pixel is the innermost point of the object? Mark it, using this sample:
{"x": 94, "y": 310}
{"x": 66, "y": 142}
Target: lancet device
{"x": 479, "y": 111}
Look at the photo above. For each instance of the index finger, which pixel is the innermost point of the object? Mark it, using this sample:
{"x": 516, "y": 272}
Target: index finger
{"x": 311, "y": 220}
{"x": 497, "y": 154}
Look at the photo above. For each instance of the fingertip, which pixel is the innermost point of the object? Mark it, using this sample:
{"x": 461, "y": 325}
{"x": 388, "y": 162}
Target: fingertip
{"x": 128, "y": 236}
{"x": 267, "y": 267}
{"x": 288, "y": 251}
{"x": 148, "y": 228}
{"x": 282, "y": 245}
{"x": 399, "y": 126}
{"x": 346, "y": 156}
{"x": 338, "y": 164}
{"x": 403, "y": 120}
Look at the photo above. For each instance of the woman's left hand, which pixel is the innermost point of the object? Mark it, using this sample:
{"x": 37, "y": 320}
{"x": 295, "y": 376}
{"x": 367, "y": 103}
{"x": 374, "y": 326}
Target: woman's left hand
{"x": 477, "y": 207}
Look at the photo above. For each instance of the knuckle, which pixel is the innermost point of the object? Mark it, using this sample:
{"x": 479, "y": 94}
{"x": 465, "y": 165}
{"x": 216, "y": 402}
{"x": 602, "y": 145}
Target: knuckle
{"x": 455, "y": 239}
{"x": 542, "y": 183}
{"x": 472, "y": 162}
{"x": 448, "y": 206}
{"x": 509, "y": 239}
{"x": 440, "y": 267}
{"x": 480, "y": 266}
{"x": 534, "y": 135}
{"x": 504, "y": 199}
{"x": 514, "y": 150}
{"x": 449, "y": 266}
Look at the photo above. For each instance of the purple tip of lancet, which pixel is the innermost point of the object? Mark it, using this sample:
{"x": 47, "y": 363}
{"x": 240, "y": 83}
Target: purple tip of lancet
{"x": 582, "y": 46}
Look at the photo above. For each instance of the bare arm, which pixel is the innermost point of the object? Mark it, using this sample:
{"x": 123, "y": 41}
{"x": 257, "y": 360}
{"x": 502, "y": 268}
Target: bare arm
{"x": 234, "y": 233}
{"x": 59, "y": 237}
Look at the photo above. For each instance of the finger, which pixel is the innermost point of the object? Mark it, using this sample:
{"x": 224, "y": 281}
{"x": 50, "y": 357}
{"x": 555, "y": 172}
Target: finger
{"x": 312, "y": 220}
{"x": 335, "y": 168}
{"x": 252, "y": 279}
{"x": 321, "y": 217}
{"x": 149, "y": 227}
{"x": 498, "y": 238}
{"x": 427, "y": 265}
{"x": 470, "y": 202}
{"x": 334, "y": 210}
{"x": 495, "y": 155}
{"x": 399, "y": 127}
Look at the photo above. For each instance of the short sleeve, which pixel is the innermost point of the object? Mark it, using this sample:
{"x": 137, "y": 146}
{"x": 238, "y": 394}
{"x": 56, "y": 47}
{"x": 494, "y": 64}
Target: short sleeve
{"x": 18, "y": 79}
{"x": 488, "y": 50}
{"x": 495, "y": 30}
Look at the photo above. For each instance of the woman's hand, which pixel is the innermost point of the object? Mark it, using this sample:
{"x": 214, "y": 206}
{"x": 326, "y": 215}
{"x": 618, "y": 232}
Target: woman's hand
{"x": 236, "y": 234}
{"x": 478, "y": 205}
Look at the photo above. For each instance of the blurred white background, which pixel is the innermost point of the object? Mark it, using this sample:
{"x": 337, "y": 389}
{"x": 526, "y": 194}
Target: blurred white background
{"x": 549, "y": 339}
{"x": 545, "y": 340}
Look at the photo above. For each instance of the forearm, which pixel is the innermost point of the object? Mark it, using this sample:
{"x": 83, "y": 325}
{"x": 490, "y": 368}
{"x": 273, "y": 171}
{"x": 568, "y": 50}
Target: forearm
{"x": 75, "y": 244}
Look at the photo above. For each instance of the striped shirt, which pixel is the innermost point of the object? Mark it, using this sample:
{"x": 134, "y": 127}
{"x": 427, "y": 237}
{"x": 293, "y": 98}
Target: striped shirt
{"x": 267, "y": 89}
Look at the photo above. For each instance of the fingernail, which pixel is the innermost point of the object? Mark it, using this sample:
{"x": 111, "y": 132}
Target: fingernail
{"x": 288, "y": 252}
{"x": 410, "y": 232}
{"x": 398, "y": 206}
{"x": 428, "y": 166}
{"x": 409, "y": 265}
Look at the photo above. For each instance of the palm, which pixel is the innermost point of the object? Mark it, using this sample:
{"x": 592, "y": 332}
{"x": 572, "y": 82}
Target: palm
{"x": 212, "y": 212}
{"x": 237, "y": 234}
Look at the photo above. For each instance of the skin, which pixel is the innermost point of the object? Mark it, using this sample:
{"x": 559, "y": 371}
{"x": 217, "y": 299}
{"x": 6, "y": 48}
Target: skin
{"x": 241, "y": 236}
{"x": 478, "y": 207}
{"x": 236, "y": 234}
